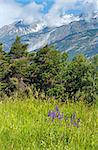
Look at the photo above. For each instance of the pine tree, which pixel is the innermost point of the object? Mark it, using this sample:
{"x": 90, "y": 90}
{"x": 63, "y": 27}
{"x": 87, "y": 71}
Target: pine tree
{"x": 18, "y": 49}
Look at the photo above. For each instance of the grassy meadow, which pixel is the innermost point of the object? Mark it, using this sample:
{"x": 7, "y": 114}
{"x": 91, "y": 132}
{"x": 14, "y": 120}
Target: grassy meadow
{"x": 27, "y": 125}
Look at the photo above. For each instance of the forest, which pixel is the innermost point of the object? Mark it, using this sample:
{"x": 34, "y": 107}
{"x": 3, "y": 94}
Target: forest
{"x": 48, "y": 72}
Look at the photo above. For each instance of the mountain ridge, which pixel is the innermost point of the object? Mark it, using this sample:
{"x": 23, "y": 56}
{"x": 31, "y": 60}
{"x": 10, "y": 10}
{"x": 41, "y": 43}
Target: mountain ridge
{"x": 83, "y": 36}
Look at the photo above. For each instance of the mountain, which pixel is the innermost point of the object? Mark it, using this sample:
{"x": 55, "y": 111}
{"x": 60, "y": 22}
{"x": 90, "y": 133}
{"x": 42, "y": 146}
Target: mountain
{"x": 78, "y": 36}
{"x": 8, "y": 33}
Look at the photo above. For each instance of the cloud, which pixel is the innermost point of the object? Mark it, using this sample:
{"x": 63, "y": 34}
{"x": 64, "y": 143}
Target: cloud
{"x": 8, "y": 11}
{"x": 11, "y": 11}
{"x": 58, "y": 9}
{"x": 32, "y": 12}
{"x": 89, "y": 7}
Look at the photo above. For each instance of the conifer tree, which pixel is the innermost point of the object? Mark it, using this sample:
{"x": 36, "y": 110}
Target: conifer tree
{"x": 18, "y": 49}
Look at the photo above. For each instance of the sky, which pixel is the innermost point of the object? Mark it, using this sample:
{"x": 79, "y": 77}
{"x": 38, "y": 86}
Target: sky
{"x": 49, "y": 11}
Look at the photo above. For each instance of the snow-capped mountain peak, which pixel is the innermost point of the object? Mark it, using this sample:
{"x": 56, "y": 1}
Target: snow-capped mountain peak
{"x": 66, "y": 19}
{"x": 22, "y": 28}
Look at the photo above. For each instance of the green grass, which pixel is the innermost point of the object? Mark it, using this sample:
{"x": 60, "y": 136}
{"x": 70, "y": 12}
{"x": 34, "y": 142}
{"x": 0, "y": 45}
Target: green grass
{"x": 25, "y": 125}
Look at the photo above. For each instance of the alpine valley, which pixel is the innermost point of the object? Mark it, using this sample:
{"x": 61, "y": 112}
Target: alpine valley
{"x": 78, "y": 36}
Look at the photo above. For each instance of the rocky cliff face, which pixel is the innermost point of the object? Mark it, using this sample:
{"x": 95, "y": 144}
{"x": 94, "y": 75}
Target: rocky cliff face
{"x": 76, "y": 37}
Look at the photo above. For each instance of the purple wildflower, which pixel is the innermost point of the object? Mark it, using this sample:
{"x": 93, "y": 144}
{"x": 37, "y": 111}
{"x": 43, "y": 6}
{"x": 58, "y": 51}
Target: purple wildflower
{"x": 53, "y": 115}
{"x": 57, "y": 109}
{"x": 60, "y": 116}
{"x": 74, "y": 115}
{"x": 49, "y": 113}
{"x": 75, "y": 124}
